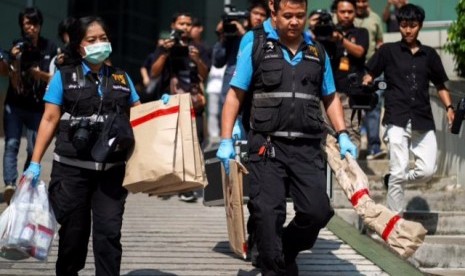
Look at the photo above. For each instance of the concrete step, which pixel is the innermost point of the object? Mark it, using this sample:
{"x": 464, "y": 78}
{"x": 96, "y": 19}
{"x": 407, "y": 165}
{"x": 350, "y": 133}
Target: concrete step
{"x": 441, "y": 252}
{"x": 416, "y": 200}
{"x": 444, "y": 247}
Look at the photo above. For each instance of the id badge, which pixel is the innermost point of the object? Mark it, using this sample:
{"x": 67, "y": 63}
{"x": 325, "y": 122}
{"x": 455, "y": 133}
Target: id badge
{"x": 344, "y": 64}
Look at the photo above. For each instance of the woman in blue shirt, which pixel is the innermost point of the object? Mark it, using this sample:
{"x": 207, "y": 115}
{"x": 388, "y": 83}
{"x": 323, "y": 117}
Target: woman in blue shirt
{"x": 84, "y": 103}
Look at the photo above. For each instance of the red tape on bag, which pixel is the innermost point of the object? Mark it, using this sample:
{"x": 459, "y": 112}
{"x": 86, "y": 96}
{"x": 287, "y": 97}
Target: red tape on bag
{"x": 357, "y": 196}
{"x": 154, "y": 114}
{"x": 390, "y": 225}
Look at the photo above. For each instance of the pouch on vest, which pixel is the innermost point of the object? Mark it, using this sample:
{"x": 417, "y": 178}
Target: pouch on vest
{"x": 266, "y": 114}
{"x": 116, "y": 134}
{"x": 272, "y": 72}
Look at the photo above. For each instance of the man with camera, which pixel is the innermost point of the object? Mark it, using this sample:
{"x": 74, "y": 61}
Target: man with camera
{"x": 30, "y": 59}
{"x": 347, "y": 46}
{"x": 230, "y": 31}
{"x": 408, "y": 68}
{"x": 182, "y": 65}
{"x": 369, "y": 20}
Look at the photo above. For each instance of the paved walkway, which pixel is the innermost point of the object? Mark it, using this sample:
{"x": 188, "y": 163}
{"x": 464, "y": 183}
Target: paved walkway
{"x": 170, "y": 237}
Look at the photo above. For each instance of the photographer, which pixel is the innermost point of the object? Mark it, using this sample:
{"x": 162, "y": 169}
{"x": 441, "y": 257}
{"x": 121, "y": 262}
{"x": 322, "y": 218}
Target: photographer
{"x": 408, "y": 68}
{"x": 29, "y": 73}
{"x": 230, "y": 30}
{"x": 62, "y": 57}
{"x": 346, "y": 46}
{"x": 183, "y": 65}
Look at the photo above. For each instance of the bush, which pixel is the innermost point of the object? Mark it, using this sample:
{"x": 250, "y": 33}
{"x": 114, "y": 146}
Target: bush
{"x": 456, "y": 39}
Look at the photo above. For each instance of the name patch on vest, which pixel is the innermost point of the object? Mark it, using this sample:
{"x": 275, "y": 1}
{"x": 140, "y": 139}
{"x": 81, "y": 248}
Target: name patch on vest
{"x": 122, "y": 88}
{"x": 73, "y": 86}
{"x": 309, "y": 57}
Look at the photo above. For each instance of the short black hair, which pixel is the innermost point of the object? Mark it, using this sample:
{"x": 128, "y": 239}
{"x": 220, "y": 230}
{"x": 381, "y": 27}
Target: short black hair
{"x": 411, "y": 12}
{"x": 277, "y": 3}
{"x": 64, "y": 26}
{"x": 196, "y": 22}
{"x": 33, "y": 14}
{"x": 178, "y": 14}
{"x": 336, "y": 2}
{"x": 260, "y": 3}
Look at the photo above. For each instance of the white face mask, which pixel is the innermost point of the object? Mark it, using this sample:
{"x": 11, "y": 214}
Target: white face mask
{"x": 98, "y": 52}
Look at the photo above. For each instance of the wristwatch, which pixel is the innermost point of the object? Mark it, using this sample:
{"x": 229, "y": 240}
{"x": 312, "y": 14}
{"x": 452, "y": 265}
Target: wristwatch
{"x": 449, "y": 106}
{"x": 340, "y": 132}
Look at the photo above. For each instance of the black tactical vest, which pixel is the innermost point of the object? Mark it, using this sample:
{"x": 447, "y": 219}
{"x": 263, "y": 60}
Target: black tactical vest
{"x": 286, "y": 98}
{"x": 81, "y": 100}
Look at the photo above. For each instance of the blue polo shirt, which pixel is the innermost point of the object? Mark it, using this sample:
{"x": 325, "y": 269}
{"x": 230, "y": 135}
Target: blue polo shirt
{"x": 244, "y": 69}
{"x": 54, "y": 93}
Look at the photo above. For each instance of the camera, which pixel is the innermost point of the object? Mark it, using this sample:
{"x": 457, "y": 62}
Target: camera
{"x": 231, "y": 14}
{"x": 325, "y": 26}
{"x": 82, "y": 133}
{"x": 178, "y": 50}
{"x": 459, "y": 116}
{"x": 363, "y": 97}
{"x": 30, "y": 55}
{"x": 176, "y": 35}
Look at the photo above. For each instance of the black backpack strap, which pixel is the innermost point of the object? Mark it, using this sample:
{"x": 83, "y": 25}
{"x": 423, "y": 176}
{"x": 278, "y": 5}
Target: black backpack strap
{"x": 322, "y": 56}
{"x": 259, "y": 40}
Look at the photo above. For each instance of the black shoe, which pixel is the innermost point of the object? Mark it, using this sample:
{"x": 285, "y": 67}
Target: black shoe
{"x": 386, "y": 180}
{"x": 292, "y": 269}
{"x": 252, "y": 252}
{"x": 188, "y": 197}
{"x": 8, "y": 193}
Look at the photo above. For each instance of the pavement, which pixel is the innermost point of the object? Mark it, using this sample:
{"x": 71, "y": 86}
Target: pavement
{"x": 171, "y": 237}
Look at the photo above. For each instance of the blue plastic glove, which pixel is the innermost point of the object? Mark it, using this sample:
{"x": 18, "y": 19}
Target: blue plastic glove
{"x": 346, "y": 146}
{"x": 226, "y": 152}
{"x": 165, "y": 98}
{"x": 238, "y": 132}
{"x": 33, "y": 171}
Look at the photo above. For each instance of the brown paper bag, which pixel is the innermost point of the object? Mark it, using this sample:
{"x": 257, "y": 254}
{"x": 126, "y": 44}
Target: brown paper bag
{"x": 155, "y": 128}
{"x": 164, "y": 160}
{"x": 403, "y": 236}
{"x": 232, "y": 191}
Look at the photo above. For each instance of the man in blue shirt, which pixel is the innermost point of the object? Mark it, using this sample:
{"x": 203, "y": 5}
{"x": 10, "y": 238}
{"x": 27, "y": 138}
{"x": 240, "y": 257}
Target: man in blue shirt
{"x": 287, "y": 81}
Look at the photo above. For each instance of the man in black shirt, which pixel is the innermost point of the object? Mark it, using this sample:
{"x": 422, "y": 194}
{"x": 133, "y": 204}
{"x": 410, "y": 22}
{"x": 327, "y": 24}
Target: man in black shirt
{"x": 408, "y": 68}
{"x": 182, "y": 65}
{"x": 347, "y": 49}
{"x": 30, "y": 62}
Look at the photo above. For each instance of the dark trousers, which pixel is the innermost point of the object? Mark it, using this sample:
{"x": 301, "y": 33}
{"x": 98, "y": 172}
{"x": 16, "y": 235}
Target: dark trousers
{"x": 81, "y": 198}
{"x": 299, "y": 169}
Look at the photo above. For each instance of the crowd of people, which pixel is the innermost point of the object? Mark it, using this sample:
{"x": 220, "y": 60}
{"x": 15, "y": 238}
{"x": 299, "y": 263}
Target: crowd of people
{"x": 277, "y": 77}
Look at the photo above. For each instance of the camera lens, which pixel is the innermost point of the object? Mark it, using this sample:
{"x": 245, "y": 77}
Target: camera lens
{"x": 81, "y": 136}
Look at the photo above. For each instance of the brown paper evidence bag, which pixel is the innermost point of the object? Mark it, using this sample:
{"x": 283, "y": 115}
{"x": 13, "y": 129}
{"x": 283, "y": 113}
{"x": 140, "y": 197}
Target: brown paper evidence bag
{"x": 166, "y": 158}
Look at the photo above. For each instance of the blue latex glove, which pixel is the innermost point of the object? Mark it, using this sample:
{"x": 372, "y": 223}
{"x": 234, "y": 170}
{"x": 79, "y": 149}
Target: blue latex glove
{"x": 238, "y": 132}
{"x": 165, "y": 98}
{"x": 33, "y": 171}
{"x": 226, "y": 152}
{"x": 346, "y": 146}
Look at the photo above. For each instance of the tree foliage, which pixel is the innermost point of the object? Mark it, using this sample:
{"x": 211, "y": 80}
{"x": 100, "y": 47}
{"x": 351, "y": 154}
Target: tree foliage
{"x": 456, "y": 39}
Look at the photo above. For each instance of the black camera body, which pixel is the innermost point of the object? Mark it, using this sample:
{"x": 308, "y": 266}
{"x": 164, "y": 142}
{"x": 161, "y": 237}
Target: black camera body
{"x": 325, "y": 27}
{"x": 178, "y": 50}
{"x": 363, "y": 97}
{"x": 30, "y": 55}
{"x": 82, "y": 134}
{"x": 459, "y": 116}
{"x": 229, "y": 28}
